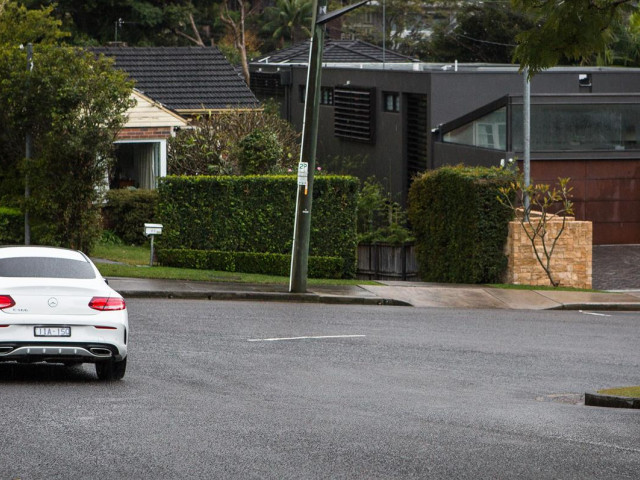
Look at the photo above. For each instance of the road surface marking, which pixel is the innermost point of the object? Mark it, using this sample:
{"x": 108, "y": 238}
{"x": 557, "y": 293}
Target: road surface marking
{"x": 302, "y": 338}
{"x": 593, "y": 313}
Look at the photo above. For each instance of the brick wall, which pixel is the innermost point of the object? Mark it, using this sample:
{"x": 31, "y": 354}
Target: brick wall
{"x": 144, "y": 133}
{"x": 571, "y": 261}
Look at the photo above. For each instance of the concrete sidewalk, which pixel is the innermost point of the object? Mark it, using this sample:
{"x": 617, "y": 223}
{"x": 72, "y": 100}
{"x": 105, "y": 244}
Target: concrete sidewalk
{"x": 416, "y": 294}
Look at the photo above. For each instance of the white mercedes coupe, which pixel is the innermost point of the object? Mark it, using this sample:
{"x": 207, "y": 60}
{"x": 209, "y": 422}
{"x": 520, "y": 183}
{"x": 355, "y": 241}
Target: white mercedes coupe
{"x": 56, "y": 307}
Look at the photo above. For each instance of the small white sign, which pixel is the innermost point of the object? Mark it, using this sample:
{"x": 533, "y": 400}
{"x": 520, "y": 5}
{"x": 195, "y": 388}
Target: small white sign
{"x": 152, "y": 229}
{"x": 303, "y": 173}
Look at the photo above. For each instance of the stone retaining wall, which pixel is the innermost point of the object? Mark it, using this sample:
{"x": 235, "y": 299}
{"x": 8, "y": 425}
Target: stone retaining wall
{"x": 571, "y": 261}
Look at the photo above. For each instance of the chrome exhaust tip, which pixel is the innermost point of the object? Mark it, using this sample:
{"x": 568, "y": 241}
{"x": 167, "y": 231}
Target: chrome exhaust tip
{"x": 101, "y": 352}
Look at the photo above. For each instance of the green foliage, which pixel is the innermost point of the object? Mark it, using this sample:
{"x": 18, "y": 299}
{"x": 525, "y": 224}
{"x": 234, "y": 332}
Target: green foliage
{"x": 72, "y": 104}
{"x": 258, "y": 152}
{"x": 248, "y": 262}
{"x": 480, "y": 33}
{"x": 459, "y": 224}
{"x": 126, "y": 212}
{"x": 19, "y": 24}
{"x": 289, "y": 21}
{"x": 11, "y": 226}
{"x": 255, "y": 214}
{"x": 379, "y": 218}
{"x": 568, "y": 31}
{"x": 213, "y": 148}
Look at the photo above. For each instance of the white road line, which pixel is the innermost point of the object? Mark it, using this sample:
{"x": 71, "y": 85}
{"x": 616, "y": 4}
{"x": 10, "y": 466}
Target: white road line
{"x": 302, "y": 338}
{"x": 594, "y": 313}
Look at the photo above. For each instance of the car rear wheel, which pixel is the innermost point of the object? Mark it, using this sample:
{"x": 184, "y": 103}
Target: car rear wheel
{"x": 111, "y": 369}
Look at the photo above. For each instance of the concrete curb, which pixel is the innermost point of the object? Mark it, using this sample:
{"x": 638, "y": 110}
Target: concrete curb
{"x": 265, "y": 297}
{"x": 620, "y": 307}
{"x": 610, "y": 401}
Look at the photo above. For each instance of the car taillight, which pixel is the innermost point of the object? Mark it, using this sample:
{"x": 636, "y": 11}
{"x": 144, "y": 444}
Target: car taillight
{"x": 107, "y": 303}
{"x": 6, "y": 301}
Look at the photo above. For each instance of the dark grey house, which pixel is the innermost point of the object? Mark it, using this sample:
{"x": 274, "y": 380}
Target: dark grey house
{"x": 409, "y": 117}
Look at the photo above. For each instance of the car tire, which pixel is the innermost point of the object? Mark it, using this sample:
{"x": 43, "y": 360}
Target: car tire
{"x": 111, "y": 369}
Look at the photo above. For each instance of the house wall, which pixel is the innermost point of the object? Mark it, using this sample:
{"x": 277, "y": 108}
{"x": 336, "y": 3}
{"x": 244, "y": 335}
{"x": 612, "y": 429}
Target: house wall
{"x": 605, "y": 192}
{"x": 387, "y": 154}
{"x": 144, "y": 133}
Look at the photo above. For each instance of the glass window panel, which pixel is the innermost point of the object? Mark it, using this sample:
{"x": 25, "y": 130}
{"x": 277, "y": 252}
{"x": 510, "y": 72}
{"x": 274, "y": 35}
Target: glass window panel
{"x": 489, "y": 131}
{"x": 579, "y": 127}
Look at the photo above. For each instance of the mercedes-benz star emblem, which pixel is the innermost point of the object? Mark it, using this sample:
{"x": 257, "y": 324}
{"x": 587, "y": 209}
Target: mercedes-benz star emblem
{"x": 53, "y": 302}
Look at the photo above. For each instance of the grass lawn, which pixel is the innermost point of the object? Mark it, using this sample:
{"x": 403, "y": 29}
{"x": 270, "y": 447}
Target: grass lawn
{"x": 134, "y": 262}
{"x": 622, "y": 391}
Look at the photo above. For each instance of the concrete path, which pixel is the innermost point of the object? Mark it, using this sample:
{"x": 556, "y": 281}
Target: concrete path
{"x": 415, "y": 294}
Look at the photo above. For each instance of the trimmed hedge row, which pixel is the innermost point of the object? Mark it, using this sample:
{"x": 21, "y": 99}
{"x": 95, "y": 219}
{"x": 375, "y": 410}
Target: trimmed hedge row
{"x": 460, "y": 226}
{"x": 264, "y": 263}
{"x": 126, "y": 212}
{"x": 11, "y": 226}
{"x": 255, "y": 214}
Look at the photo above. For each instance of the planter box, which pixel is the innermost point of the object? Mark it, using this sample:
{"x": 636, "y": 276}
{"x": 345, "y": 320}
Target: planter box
{"x": 380, "y": 261}
{"x": 571, "y": 261}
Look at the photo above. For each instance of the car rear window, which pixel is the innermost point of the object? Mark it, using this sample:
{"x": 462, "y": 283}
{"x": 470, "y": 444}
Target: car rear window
{"x": 45, "y": 267}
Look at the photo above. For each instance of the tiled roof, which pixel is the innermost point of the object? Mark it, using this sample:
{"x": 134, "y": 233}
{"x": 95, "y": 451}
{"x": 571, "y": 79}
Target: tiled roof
{"x": 336, "y": 51}
{"x": 183, "y": 78}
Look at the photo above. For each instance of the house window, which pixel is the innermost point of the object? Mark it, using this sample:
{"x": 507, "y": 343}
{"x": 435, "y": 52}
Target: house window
{"x": 489, "y": 131}
{"x": 302, "y": 93}
{"x": 354, "y": 117}
{"x": 326, "y": 96}
{"x": 391, "y": 101}
{"x": 584, "y": 127}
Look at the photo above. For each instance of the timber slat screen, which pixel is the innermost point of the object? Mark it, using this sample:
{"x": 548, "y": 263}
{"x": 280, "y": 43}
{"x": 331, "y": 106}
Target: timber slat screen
{"x": 354, "y": 109}
{"x": 387, "y": 262}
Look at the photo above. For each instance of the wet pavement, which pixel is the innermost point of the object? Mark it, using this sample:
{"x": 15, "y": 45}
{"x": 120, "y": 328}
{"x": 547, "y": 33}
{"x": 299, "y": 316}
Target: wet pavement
{"x": 616, "y": 267}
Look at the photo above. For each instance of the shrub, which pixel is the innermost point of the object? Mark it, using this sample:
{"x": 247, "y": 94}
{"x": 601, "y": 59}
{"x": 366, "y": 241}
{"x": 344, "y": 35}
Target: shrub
{"x": 11, "y": 226}
{"x": 246, "y": 262}
{"x": 258, "y": 152}
{"x": 212, "y": 147}
{"x": 127, "y": 211}
{"x": 460, "y": 225}
{"x": 256, "y": 214}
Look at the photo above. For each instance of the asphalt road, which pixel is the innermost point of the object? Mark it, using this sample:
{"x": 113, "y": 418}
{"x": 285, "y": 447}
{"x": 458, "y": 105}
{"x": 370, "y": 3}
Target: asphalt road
{"x": 393, "y": 392}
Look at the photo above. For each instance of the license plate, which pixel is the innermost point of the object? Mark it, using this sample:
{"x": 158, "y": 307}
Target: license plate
{"x": 52, "y": 331}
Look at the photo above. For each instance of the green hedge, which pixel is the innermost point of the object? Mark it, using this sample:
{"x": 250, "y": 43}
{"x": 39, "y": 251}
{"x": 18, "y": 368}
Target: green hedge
{"x": 126, "y": 212}
{"x": 11, "y": 226}
{"x": 264, "y": 263}
{"x": 255, "y": 214}
{"x": 460, "y": 226}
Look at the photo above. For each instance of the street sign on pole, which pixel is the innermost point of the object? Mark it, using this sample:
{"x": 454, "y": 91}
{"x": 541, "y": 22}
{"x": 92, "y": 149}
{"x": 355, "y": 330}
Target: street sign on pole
{"x": 307, "y": 165}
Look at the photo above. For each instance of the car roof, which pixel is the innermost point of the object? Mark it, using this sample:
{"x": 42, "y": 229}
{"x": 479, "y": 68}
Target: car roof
{"x": 40, "y": 251}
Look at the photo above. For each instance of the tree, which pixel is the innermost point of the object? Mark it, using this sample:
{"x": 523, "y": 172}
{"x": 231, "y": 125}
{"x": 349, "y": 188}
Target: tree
{"x": 571, "y": 31}
{"x": 235, "y": 20}
{"x": 479, "y": 33}
{"x": 214, "y": 148}
{"x": 289, "y": 21}
{"x": 73, "y": 105}
{"x": 544, "y": 219}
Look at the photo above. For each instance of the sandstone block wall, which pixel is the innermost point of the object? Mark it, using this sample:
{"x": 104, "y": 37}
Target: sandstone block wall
{"x": 571, "y": 261}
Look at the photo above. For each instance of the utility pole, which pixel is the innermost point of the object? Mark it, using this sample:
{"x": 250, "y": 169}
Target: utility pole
{"x": 526, "y": 138}
{"x": 307, "y": 165}
{"x": 27, "y": 155}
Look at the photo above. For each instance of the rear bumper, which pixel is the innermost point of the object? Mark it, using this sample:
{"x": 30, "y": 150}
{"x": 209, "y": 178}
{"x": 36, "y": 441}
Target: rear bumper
{"x": 61, "y": 352}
